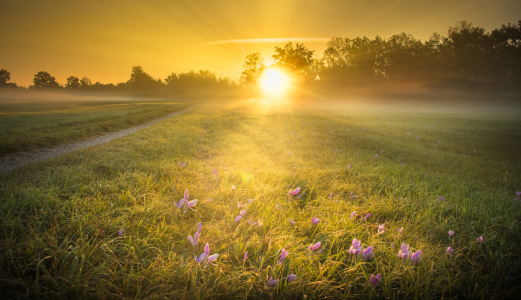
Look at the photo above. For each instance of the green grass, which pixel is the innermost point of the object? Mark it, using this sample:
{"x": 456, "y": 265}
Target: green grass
{"x": 59, "y": 220}
{"x": 28, "y": 125}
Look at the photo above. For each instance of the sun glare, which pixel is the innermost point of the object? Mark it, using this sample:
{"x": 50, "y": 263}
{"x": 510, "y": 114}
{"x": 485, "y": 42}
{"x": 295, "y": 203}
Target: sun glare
{"x": 275, "y": 82}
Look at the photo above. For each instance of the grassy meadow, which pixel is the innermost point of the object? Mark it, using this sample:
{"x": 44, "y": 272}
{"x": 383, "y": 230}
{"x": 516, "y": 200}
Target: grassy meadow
{"x": 104, "y": 222}
{"x": 28, "y": 125}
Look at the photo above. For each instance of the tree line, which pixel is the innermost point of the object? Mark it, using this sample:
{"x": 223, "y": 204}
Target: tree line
{"x": 466, "y": 56}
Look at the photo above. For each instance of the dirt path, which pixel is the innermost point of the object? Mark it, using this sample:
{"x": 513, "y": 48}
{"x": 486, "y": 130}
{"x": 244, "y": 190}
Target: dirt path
{"x": 11, "y": 162}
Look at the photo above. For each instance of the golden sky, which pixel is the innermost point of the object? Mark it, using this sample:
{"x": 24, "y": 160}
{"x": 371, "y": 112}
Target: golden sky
{"x": 103, "y": 39}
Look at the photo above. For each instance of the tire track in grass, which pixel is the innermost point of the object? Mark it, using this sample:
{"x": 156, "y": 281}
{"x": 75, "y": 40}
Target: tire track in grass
{"x": 11, "y": 162}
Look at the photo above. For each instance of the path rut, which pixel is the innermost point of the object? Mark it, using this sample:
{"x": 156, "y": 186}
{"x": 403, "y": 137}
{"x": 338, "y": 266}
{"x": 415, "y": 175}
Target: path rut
{"x": 18, "y": 160}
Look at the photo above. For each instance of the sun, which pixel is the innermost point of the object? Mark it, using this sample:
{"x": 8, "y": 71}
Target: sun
{"x": 275, "y": 83}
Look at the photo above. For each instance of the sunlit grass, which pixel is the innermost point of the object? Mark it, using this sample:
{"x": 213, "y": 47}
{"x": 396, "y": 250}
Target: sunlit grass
{"x": 61, "y": 219}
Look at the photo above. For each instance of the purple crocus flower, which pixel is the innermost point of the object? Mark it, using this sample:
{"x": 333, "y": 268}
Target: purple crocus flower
{"x": 349, "y": 167}
{"x": 283, "y": 255}
{"x": 201, "y": 257}
{"x": 480, "y": 240}
{"x": 215, "y": 172}
{"x": 212, "y": 258}
{"x": 194, "y": 240}
{"x": 399, "y": 230}
{"x": 315, "y": 221}
{"x": 367, "y": 216}
{"x": 291, "y": 278}
{"x": 242, "y": 213}
{"x": 404, "y": 251}
{"x": 181, "y": 203}
{"x": 120, "y": 233}
{"x": 294, "y": 192}
{"x": 441, "y": 198}
{"x": 238, "y": 219}
{"x": 375, "y": 279}
{"x": 355, "y": 249}
{"x": 367, "y": 254}
{"x": 207, "y": 249}
{"x": 381, "y": 228}
{"x": 314, "y": 247}
{"x": 245, "y": 256}
{"x": 352, "y": 215}
{"x": 249, "y": 202}
{"x": 451, "y": 233}
{"x": 291, "y": 222}
{"x": 415, "y": 257}
{"x": 518, "y": 196}
{"x": 191, "y": 204}
{"x": 449, "y": 250}
{"x": 376, "y": 156}
{"x": 199, "y": 227}
{"x": 272, "y": 282}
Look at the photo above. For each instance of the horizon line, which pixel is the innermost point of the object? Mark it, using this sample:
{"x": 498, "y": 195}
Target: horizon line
{"x": 267, "y": 40}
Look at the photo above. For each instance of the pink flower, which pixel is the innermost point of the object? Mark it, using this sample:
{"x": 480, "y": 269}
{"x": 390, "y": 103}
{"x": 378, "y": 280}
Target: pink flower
{"x": 376, "y": 156}
{"x": 207, "y": 249}
{"x": 212, "y": 258}
{"x": 291, "y": 222}
{"x": 245, "y": 256}
{"x": 352, "y": 215}
{"x": 314, "y": 247}
{"x": 415, "y": 257}
{"x": 242, "y": 213}
{"x": 349, "y": 167}
{"x": 367, "y": 254}
{"x": 215, "y": 172}
{"x": 291, "y": 278}
{"x": 449, "y": 250}
{"x": 181, "y": 203}
{"x": 315, "y": 221}
{"x": 367, "y": 216}
{"x": 480, "y": 240}
{"x": 283, "y": 255}
{"x": 194, "y": 240}
{"x": 238, "y": 219}
{"x": 186, "y": 195}
{"x": 355, "y": 249}
{"x": 381, "y": 228}
{"x": 272, "y": 282}
{"x": 191, "y": 204}
{"x": 120, "y": 233}
{"x": 518, "y": 196}
{"x": 233, "y": 188}
{"x": 404, "y": 251}
{"x": 399, "y": 230}
{"x": 451, "y": 233}
{"x": 375, "y": 280}
{"x": 201, "y": 257}
{"x": 441, "y": 198}
{"x": 199, "y": 227}
{"x": 249, "y": 202}
{"x": 294, "y": 192}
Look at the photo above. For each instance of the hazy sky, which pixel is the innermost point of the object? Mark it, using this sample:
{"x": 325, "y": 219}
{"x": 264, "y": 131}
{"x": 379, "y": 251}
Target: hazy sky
{"x": 103, "y": 39}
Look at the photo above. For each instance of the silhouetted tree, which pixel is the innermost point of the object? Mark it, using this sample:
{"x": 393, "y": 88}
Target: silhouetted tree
{"x": 507, "y": 51}
{"x": 468, "y": 50}
{"x": 253, "y": 69}
{"x": 73, "y": 82}
{"x": 85, "y": 82}
{"x": 5, "y": 76}
{"x": 171, "y": 80}
{"x": 296, "y": 60}
{"x": 45, "y": 80}
{"x": 142, "y": 83}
